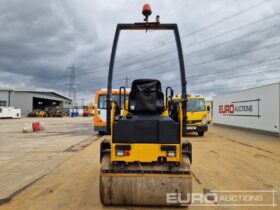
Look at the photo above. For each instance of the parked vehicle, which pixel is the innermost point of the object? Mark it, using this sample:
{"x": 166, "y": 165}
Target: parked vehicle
{"x": 42, "y": 114}
{"x": 33, "y": 113}
{"x": 197, "y": 114}
{"x": 10, "y": 112}
{"x": 100, "y": 108}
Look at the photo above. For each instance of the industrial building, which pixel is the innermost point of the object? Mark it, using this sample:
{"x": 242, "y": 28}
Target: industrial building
{"x": 29, "y": 100}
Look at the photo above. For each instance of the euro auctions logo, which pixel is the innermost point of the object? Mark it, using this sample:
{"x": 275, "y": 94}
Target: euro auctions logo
{"x": 248, "y": 108}
{"x": 231, "y": 109}
{"x": 225, "y": 198}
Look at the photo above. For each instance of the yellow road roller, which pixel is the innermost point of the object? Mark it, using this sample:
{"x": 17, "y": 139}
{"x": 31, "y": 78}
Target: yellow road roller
{"x": 145, "y": 161}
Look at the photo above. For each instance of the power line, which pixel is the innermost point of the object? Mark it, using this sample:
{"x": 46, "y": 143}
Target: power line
{"x": 238, "y": 72}
{"x": 207, "y": 48}
{"x": 227, "y": 5}
{"x": 212, "y": 60}
{"x": 232, "y": 68}
{"x": 213, "y": 24}
{"x": 57, "y": 82}
{"x": 224, "y": 70}
{"x": 236, "y": 54}
{"x": 192, "y": 33}
{"x": 250, "y": 33}
{"x": 204, "y": 79}
{"x": 210, "y": 25}
{"x": 234, "y": 30}
{"x": 209, "y": 61}
{"x": 235, "y": 74}
{"x": 163, "y": 45}
{"x": 204, "y": 49}
{"x": 226, "y": 18}
{"x": 233, "y": 77}
{"x": 235, "y": 39}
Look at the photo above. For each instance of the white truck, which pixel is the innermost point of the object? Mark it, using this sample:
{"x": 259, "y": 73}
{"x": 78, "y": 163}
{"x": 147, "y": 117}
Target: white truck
{"x": 10, "y": 112}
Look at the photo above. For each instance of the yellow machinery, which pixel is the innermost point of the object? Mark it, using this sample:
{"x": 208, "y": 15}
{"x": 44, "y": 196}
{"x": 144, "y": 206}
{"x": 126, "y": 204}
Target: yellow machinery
{"x": 146, "y": 161}
{"x": 56, "y": 112}
{"x": 197, "y": 114}
{"x": 88, "y": 111}
{"x": 42, "y": 114}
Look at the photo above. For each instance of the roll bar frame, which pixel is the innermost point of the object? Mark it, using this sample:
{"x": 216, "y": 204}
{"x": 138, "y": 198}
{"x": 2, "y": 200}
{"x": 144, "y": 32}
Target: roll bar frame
{"x": 145, "y": 26}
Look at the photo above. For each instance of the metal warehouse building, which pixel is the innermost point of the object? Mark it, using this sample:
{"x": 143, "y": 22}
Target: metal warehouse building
{"x": 29, "y": 100}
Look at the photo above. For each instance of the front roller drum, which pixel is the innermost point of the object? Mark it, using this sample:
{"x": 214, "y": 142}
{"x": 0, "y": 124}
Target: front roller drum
{"x": 145, "y": 189}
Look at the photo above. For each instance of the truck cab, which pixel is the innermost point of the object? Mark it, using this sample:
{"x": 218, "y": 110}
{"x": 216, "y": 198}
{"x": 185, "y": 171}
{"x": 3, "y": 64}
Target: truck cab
{"x": 100, "y": 108}
{"x": 197, "y": 114}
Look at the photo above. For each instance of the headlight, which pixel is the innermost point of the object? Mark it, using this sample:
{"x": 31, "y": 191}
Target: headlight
{"x": 171, "y": 154}
{"x": 204, "y": 121}
{"x": 120, "y": 153}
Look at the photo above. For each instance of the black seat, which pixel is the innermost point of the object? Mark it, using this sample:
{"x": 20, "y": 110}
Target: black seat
{"x": 146, "y": 97}
{"x": 146, "y": 103}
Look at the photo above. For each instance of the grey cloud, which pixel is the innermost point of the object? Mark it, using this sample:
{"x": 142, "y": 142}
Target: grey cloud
{"x": 40, "y": 39}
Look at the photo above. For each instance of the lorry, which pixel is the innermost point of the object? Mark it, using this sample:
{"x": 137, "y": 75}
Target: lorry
{"x": 100, "y": 109}
{"x": 197, "y": 114}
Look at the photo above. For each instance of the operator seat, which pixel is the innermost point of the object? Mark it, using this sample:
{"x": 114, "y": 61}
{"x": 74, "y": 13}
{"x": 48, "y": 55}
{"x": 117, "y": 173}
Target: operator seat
{"x": 146, "y": 124}
{"x": 146, "y": 97}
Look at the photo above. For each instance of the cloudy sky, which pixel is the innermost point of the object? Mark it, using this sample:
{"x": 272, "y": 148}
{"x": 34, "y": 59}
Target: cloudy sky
{"x": 228, "y": 45}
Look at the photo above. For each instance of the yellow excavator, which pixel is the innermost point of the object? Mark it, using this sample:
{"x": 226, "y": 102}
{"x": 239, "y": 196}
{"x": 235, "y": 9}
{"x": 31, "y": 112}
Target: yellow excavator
{"x": 146, "y": 161}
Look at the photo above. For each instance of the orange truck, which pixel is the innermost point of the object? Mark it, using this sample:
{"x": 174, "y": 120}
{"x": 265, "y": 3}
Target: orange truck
{"x": 100, "y": 105}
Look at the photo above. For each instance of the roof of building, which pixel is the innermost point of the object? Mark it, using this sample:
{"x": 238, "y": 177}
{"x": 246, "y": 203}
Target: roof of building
{"x": 6, "y": 89}
{"x": 37, "y": 91}
{"x": 251, "y": 88}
